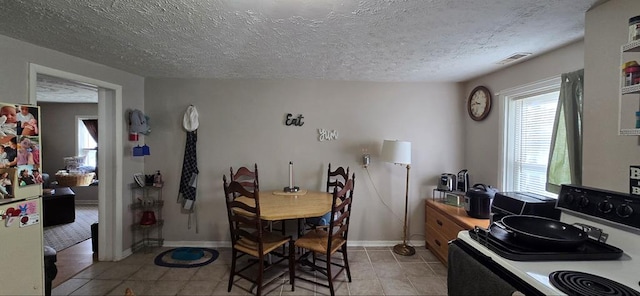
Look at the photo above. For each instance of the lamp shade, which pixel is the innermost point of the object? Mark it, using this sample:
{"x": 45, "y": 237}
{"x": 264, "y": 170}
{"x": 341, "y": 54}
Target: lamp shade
{"x": 396, "y": 151}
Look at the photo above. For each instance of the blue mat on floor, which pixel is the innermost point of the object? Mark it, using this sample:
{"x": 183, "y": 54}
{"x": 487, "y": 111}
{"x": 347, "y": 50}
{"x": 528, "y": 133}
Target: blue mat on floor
{"x": 186, "y": 257}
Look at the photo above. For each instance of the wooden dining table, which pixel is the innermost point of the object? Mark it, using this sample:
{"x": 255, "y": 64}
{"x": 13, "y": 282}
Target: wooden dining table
{"x": 277, "y": 205}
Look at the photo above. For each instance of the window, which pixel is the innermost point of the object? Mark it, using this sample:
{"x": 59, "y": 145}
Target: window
{"x": 86, "y": 145}
{"x": 529, "y": 114}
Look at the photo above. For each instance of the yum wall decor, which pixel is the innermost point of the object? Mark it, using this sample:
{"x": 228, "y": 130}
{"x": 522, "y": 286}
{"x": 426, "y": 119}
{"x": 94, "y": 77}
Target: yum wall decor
{"x": 327, "y": 135}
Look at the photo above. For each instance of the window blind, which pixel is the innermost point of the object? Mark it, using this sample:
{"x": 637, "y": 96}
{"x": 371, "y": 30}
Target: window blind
{"x": 534, "y": 118}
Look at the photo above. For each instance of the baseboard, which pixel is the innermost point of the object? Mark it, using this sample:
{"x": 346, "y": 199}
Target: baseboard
{"x": 126, "y": 253}
{"x": 86, "y": 202}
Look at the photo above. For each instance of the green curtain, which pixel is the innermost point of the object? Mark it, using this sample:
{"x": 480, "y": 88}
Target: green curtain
{"x": 565, "y": 153}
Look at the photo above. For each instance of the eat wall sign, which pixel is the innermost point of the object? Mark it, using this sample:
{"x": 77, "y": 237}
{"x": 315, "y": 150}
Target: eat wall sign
{"x": 295, "y": 121}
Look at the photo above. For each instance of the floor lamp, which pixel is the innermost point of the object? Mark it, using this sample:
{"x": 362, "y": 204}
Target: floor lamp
{"x": 399, "y": 152}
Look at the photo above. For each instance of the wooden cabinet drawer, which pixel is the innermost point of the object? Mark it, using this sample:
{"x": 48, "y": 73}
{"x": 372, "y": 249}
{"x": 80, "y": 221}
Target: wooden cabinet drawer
{"x": 437, "y": 244}
{"x": 442, "y": 224}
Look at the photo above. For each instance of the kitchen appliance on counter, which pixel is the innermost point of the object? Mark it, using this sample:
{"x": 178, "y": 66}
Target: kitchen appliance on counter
{"x": 463, "y": 181}
{"x": 477, "y": 201}
{"x": 523, "y": 203}
{"x": 447, "y": 182}
{"x": 612, "y": 222}
{"x": 454, "y": 198}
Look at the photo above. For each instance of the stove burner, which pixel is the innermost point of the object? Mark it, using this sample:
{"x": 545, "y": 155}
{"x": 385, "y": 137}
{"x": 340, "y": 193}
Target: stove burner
{"x": 579, "y": 283}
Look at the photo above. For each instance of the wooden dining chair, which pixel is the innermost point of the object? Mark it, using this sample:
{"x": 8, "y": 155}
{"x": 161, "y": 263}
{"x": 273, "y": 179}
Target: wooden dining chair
{"x": 331, "y": 240}
{"x": 246, "y": 178}
{"x": 335, "y": 180}
{"x": 249, "y": 236}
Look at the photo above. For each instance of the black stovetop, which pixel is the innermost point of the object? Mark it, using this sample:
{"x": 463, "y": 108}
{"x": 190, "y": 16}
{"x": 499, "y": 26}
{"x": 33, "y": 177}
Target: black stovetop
{"x": 500, "y": 242}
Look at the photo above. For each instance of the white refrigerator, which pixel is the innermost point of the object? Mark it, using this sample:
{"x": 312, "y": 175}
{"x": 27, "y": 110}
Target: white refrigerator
{"x": 21, "y": 238}
{"x": 21, "y": 247}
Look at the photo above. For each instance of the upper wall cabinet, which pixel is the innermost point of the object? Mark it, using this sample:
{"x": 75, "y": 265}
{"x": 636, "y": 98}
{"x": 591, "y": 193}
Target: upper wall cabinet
{"x": 629, "y": 98}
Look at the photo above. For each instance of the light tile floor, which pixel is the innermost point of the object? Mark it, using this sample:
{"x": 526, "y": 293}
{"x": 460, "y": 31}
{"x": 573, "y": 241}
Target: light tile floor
{"x": 374, "y": 271}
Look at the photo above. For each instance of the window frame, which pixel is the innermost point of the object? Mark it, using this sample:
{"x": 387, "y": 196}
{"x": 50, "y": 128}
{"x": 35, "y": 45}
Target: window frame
{"x": 506, "y": 97}
{"x": 78, "y": 149}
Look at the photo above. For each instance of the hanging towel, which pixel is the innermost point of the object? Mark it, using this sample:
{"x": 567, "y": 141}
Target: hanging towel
{"x": 189, "y": 178}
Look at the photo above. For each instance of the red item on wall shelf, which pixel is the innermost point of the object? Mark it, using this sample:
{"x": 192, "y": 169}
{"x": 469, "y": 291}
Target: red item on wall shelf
{"x": 632, "y": 75}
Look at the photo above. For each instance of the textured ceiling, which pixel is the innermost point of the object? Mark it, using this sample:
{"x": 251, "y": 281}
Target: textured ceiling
{"x": 366, "y": 40}
{"x": 56, "y": 90}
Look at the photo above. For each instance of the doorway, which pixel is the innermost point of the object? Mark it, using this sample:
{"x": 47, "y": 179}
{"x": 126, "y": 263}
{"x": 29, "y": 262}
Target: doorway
{"x": 69, "y": 115}
{"x": 110, "y": 225}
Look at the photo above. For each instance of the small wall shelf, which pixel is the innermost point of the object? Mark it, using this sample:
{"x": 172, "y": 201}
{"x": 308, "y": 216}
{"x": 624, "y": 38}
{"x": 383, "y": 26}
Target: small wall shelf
{"x": 629, "y": 96}
{"x": 147, "y": 199}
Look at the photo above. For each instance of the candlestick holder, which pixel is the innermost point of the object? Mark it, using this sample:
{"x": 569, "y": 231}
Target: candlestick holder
{"x": 291, "y": 189}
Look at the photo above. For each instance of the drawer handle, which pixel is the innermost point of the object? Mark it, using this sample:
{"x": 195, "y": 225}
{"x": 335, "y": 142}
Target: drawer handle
{"x": 438, "y": 243}
{"x": 439, "y": 222}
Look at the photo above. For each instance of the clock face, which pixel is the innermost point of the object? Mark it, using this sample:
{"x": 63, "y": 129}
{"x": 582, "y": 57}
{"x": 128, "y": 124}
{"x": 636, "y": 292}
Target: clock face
{"x": 479, "y": 103}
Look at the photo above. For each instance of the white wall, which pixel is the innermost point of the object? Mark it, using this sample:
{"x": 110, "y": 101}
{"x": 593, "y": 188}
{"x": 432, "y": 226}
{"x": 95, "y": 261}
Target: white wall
{"x": 482, "y": 138}
{"x": 242, "y": 122}
{"x": 15, "y": 57}
{"x": 607, "y": 156}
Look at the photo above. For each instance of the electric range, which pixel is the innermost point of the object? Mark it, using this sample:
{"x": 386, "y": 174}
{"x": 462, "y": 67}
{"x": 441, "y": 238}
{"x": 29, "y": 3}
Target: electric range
{"x": 607, "y": 264}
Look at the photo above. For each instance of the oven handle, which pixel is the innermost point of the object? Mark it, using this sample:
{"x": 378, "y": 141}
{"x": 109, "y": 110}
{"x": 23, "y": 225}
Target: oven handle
{"x": 518, "y": 283}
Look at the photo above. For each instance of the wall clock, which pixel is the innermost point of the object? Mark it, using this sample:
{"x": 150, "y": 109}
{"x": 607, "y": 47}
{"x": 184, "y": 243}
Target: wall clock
{"x": 479, "y": 103}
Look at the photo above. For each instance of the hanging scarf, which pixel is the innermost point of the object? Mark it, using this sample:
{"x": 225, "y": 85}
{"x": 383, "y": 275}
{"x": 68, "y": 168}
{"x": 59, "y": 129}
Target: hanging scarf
{"x": 189, "y": 177}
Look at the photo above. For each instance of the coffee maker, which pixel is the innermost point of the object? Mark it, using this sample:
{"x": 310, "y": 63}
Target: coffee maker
{"x": 463, "y": 181}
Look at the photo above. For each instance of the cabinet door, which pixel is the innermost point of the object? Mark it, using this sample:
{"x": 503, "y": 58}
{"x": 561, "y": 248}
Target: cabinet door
{"x": 438, "y": 244}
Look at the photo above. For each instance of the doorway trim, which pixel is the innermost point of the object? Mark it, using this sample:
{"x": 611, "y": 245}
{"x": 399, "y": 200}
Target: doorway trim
{"x": 110, "y": 121}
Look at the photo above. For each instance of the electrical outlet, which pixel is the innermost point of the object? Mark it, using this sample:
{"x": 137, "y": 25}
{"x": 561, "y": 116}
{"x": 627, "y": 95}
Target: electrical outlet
{"x": 366, "y": 159}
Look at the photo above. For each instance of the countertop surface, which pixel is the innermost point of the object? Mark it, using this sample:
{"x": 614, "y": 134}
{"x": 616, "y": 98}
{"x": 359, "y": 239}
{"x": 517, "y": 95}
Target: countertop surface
{"x": 459, "y": 214}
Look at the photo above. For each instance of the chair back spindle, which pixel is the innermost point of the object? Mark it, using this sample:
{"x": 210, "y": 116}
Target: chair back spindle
{"x": 337, "y": 178}
{"x": 247, "y": 178}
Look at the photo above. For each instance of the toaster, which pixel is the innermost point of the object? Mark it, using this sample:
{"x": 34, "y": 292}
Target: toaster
{"x": 447, "y": 182}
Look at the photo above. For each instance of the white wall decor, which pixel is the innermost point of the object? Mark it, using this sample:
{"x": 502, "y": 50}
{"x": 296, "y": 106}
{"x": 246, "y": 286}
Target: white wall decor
{"x": 327, "y": 135}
